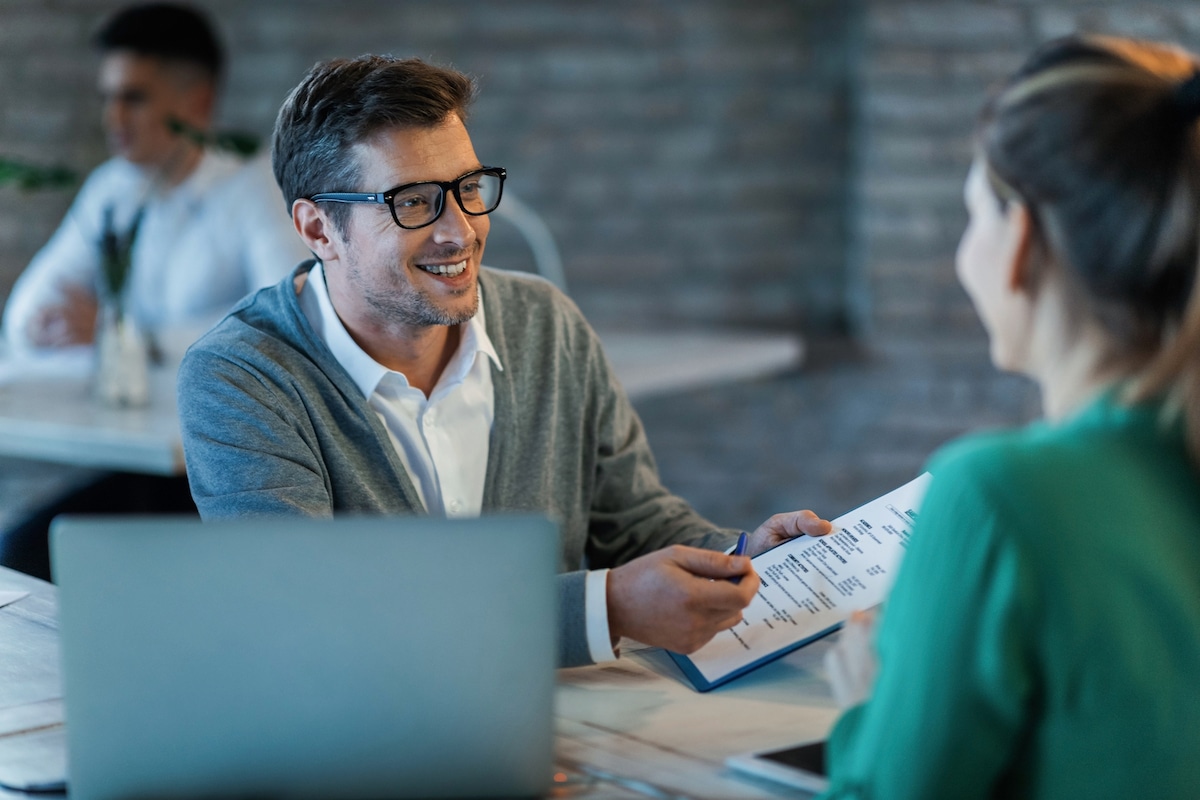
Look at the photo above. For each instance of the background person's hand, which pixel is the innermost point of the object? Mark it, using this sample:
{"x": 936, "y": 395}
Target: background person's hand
{"x": 781, "y": 527}
{"x": 73, "y": 321}
{"x": 679, "y": 597}
{"x": 851, "y": 664}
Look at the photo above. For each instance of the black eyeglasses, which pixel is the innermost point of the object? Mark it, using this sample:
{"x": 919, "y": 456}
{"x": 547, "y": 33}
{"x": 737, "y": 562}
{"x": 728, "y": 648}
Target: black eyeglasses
{"x": 415, "y": 205}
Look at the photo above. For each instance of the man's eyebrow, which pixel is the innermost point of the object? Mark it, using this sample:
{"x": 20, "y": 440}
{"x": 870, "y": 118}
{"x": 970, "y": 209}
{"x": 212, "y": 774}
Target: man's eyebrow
{"x": 431, "y": 180}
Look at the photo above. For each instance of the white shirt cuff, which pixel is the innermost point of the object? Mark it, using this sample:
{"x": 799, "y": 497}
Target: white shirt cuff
{"x": 595, "y": 610}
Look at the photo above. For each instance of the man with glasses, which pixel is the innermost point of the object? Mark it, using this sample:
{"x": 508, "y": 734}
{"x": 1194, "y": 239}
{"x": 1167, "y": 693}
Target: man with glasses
{"x": 395, "y": 374}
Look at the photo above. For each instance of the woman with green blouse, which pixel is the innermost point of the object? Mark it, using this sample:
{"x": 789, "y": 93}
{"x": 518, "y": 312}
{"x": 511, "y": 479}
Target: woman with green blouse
{"x": 1043, "y": 636}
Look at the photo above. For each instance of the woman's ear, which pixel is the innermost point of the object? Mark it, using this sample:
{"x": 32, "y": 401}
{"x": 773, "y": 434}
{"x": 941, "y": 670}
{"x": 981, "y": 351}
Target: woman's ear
{"x": 316, "y": 229}
{"x": 1023, "y": 268}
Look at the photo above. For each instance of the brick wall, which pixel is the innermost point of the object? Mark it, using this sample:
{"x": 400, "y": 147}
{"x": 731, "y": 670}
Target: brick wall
{"x": 859, "y": 420}
{"x": 689, "y": 156}
{"x": 783, "y": 163}
{"x": 926, "y": 69}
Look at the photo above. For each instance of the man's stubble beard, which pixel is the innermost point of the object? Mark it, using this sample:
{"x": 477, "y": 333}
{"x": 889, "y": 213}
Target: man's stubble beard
{"x": 415, "y": 308}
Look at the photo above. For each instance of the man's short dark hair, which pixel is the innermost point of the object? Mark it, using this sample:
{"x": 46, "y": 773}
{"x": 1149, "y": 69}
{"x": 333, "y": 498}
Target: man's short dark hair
{"x": 343, "y": 102}
{"x": 164, "y": 30}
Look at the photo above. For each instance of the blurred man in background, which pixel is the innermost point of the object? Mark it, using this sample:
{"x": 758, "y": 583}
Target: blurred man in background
{"x": 211, "y": 226}
{"x": 194, "y": 227}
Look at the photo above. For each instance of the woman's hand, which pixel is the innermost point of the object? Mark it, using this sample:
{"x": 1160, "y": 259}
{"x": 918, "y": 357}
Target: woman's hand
{"x": 851, "y": 664}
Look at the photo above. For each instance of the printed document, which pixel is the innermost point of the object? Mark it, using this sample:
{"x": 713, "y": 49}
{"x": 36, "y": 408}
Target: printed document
{"x": 810, "y": 586}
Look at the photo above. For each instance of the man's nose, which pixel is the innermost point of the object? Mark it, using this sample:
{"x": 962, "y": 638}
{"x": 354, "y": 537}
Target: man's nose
{"x": 454, "y": 226}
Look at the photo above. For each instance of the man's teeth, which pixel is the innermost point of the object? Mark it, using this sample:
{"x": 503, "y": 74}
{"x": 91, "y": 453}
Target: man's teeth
{"x": 445, "y": 269}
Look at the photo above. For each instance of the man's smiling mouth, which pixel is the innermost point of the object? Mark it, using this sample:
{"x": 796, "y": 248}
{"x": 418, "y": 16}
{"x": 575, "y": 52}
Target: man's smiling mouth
{"x": 449, "y": 270}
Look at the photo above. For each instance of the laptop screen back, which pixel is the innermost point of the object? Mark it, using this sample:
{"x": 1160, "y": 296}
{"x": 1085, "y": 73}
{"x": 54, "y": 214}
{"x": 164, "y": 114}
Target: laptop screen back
{"x": 352, "y": 657}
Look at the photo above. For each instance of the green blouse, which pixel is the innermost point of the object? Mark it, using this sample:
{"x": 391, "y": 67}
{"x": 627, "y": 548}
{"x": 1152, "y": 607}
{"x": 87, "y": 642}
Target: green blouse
{"x": 1043, "y": 636}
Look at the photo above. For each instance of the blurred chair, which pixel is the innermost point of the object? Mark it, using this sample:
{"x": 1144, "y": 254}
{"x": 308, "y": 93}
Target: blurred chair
{"x": 663, "y": 361}
{"x": 537, "y": 235}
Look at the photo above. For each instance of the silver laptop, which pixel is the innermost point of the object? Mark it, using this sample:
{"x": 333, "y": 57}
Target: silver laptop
{"x": 352, "y": 657}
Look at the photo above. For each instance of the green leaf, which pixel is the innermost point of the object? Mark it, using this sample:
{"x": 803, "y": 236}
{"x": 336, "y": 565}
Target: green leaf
{"x": 116, "y": 253}
{"x": 236, "y": 142}
{"x": 29, "y": 177}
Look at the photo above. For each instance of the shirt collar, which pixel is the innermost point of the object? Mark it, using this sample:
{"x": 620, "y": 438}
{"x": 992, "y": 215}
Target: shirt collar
{"x": 365, "y": 371}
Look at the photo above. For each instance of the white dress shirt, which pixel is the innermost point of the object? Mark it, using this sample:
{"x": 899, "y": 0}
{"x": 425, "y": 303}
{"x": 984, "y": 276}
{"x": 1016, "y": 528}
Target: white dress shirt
{"x": 202, "y": 245}
{"x": 442, "y": 440}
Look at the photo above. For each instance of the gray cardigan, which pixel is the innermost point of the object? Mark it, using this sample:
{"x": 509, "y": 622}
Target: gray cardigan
{"x": 272, "y": 425}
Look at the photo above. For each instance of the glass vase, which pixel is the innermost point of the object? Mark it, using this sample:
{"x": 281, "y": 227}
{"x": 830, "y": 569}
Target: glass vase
{"x": 122, "y": 359}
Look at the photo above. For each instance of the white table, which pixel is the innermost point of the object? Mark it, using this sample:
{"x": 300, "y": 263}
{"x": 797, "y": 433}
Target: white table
{"x": 638, "y": 725}
{"x": 32, "y": 738}
{"x": 53, "y": 417}
{"x": 632, "y": 729}
{"x": 47, "y": 411}
{"x": 661, "y": 362}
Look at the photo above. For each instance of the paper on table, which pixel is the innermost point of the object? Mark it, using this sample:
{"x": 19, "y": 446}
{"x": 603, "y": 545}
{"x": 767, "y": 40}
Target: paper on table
{"x": 811, "y": 585}
{"x": 11, "y": 597}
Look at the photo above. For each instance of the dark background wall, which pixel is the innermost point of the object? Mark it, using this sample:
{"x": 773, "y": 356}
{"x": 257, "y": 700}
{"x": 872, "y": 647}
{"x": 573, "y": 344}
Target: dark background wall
{"x": 781, "y": 164}
{"x": 689, "y": 156}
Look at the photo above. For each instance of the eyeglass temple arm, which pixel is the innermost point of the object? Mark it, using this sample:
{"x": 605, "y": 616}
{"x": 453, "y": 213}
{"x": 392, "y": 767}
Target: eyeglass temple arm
{"x": 348, "y": 197}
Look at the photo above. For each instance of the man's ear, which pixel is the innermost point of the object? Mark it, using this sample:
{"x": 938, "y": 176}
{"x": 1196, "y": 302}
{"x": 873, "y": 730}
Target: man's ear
{"x": 316, "y": 229}
{"x": 203, "y": 103}
{"x": 194, "y": 98}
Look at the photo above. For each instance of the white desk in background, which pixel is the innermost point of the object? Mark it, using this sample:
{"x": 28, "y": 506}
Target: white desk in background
{"x": 632, "y": 729}
{"x": 661, "y": 362}
{"x": 47, "y": 411}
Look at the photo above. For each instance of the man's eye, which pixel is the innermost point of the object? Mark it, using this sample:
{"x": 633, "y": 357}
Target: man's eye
{"x": 411, "y": 201}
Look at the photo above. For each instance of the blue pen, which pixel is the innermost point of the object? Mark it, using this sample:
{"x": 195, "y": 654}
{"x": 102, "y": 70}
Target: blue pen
{"x": 740, "y": 550}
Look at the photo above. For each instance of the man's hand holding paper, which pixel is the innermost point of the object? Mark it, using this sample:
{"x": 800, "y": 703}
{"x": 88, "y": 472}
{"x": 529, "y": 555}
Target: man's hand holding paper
{"x": 681, "y": 597}
{"x": 808, "y": 588}
{"x": 678, "y": 598}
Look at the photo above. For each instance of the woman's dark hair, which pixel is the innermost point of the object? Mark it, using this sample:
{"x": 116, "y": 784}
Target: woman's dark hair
{"x": 1098, "y": 138}
{"x": 343, "y": 102}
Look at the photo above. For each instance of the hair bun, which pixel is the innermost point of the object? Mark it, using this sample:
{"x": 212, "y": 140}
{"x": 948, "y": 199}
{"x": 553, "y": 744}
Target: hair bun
{"x": 1187, "y": 97}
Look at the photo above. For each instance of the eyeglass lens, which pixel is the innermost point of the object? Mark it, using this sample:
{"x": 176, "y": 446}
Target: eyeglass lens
{"x": 420, "y": 204}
